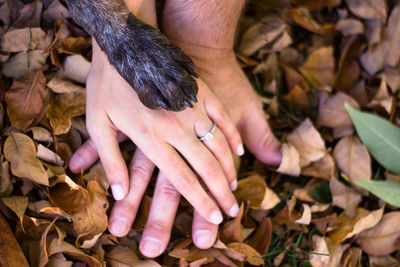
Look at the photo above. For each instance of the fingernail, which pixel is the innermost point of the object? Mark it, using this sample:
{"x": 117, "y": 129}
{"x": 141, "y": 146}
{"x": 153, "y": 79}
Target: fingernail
{"x": 216, "y": 217}
{"x": 233, "y": 185}
{"x": 76, "y": 163}
{"x": 240, "y": 150}
{"x": 119, "y": 226}
{"x": 234, "y": 210}
{"x": 188, "y": 104}
{"x": 193, "y": 97}
{"x": 151, "y": 246}
{"x": 203, "y": 238}
{"x": 117, "y": 191}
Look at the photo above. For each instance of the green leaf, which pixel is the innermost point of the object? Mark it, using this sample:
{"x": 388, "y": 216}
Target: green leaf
{"x": 386, "y": 190}
{"x": 381, "y": 138}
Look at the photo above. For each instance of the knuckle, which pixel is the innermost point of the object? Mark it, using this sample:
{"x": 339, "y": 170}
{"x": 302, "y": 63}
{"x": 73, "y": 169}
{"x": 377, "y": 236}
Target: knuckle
{"x": 187, "y": 181}
{"x": 169, "y": 192}
{"x": 140, "y": 171}
{"x": 157, "y": 225}
{"x": 212, "y": 168}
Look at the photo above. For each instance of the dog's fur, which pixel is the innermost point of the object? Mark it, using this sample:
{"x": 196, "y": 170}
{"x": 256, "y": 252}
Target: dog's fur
{"x": 159, "y": 71}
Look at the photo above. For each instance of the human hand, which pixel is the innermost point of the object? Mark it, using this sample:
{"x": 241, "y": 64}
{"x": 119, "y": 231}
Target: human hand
{"x": 113, "y": 106}
{"x": 163, "y": 208}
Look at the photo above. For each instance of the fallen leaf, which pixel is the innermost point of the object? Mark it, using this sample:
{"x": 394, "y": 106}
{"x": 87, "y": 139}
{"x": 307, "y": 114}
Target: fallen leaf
{"x": 69, "y": 196}
{"x": 21, "y": 40}
{"x": 46, "y": 154}
{"x": 122, "y": 256}
{"x": 252, "y": 256}
{"x": 316, "y": 5}
{"x": 382, "y": 240}
{"x": 20, "y": 151}
{"x": 382, "y": 261}
{"x": 320, "y": 254}
{"x": 58, "y": 260}
{"x": 5, "y": 181}
{"x": 323, "y": 168}
{"x": 319, "y": 68}
{"x": 344, "y": 197}
{"x": 303, "y": 18}
{"x": 349, "y": 27}
{"x": 29, "y": 15}
{"x": 297, "y": 96}
{"x": 308, "y": 143}
{"x": 71, "y": 251}
{"x": 92, "y": 221}
{"x": 58, "y": 85}
{"x": 17, "y": 204}
{"x": 10, "y": 252}
{"x": 76, "y": 68}
{"x": 42, "y": 135}
{"x": 306, "y": 216}
{"x": 64, "y": 108}
{"x": 75, "y": 45}
{"x": 231, "y": 232}
{"x": 352, "y": 158}
{"x": 24, "y": 62}
{"x": 290, "y": 163}
{"x": 368, "y": 9}
{"x": 251, "y": 189}
{"x": 260, "y": 240}
{"x": 25, "y": 99}
{"x": 373, "y": 60}
{"x": 382, "y": 98}
{"x": 260, "y": 35}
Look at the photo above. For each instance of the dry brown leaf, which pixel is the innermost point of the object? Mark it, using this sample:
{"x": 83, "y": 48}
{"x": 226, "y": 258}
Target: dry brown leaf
{"x": 25, "y": 99}
{"x": 344, "y": 197}
{"x": 383, "y": 239}
{"x": 71, "y": 251}
{"x": 293, "y": 79}
{"x": 319, "y": 256}
{"x": 46, "y": 154}
{"x": 5, "y": 182}
{"x": 306, "y": 216}
{"x": 21, "y": 40}
{"x": 382, "y": 261}
{"x": 69, "y": 196}
{"x": 92, "y": 221}
{"x": 64, "y": 108}
{"x": 122, "y": 256}
{"x": 323, "y": 168}
{"x": 231, "y": 232}
{"x": 58, "y": 260}
{"x": 394, "y": 32}
{"x": 352, "y": 158}
{"x": 260, "y": 35}
{"x": 290, "y": 163}
{"x": 368, "y": 9}
{"x": 75, "y": 45}
{"x": 58, "y": 85}
{"x": 392, "y": 78}
{"x": 382, "y": 98}
{"x": 42, "y": 135}
{"x": 260, "y": 240}
{"x": 350, "y": 27}
{"x": 303, "y": 18}
{"x": 29, "y": 15}
{"x": 319, "y": 68}
{"x": 76, "y": 68}
{"x": 17, "y": 204}
{"x": 44, "y": 206}
{"x": 44, "y": 257}
{"x": 316, "y": 5}
{"x": 297, "y": 96}
{"x": 24, "y": 62}
{"x": 252, "y": 256}
{"x": 20, "y": 151}
{"x": 270, "y": 199}
{"x": 308, "y": 143}
{"x": 10, "y": 251}
{"x": 373, "y": 59}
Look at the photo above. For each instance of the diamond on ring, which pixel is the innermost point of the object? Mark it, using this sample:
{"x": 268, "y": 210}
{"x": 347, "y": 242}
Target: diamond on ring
{"x": 209, "y": 136}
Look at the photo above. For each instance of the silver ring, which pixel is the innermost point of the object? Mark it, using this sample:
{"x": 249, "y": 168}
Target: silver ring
{"x": 209, "y": 136}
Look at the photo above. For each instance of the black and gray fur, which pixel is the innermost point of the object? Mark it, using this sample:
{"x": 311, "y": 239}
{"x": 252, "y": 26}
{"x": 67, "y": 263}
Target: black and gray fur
{"x": 159, "y": 71}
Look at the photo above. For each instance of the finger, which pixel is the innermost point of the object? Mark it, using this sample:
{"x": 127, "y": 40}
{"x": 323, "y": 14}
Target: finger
{"x": 105, "y": 139}
{"x": 203, "y": 232}
{"x": 219, "y": 115}
{"x": 209, "y": 169}
{"x": 87, "y": 155}
{"x": 180, "y": 176}
{"x": 220, "y": 148}
{"x": 124, "y": 211}
{"x": 161, "y": 218}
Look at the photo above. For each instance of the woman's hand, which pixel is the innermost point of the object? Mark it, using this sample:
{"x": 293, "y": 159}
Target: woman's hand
{"x": 166, "y": 138}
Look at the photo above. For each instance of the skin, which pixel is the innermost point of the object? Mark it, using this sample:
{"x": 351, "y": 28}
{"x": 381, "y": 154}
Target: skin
{"x": 217, "y": 66}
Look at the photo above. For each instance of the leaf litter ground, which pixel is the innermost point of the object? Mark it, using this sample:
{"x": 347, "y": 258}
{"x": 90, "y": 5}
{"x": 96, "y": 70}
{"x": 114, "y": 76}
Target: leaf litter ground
{"x": 306, "y": 59}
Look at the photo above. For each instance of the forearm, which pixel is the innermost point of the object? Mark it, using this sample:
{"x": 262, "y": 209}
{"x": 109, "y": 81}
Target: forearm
{"x": 212, "y": 22}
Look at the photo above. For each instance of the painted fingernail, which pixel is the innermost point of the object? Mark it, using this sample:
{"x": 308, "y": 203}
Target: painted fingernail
{"x": 151, "y": 246}
{"x": 163, "y": 104}
{"x": 193, "y": 97}
{"x": 203, "y": 238}
{"x": 117, "y": 191}
{"x": 233, "y": 185}
{"x": 119, "y": 226}
{"x": 240, "y": 150}
{"x": 234, "y": 210}
{"x": 76, "y": 163}
{"x": 216, "y": 217}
